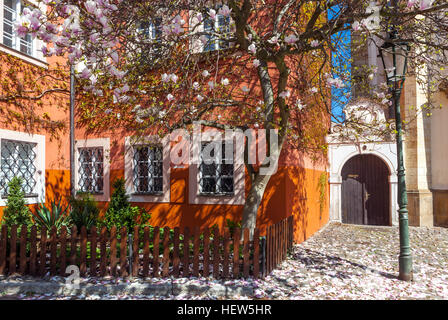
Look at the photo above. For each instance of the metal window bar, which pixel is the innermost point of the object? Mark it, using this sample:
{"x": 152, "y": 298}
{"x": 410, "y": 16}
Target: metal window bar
{"x": 91, "y": 175}
{"x": 148, "y": 169}
{"x": 216, "y": 178}
{"x": 18, "y": 160}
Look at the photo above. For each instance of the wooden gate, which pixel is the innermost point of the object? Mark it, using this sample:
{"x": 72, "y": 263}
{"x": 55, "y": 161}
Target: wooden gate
{"x": 365, "y": 191}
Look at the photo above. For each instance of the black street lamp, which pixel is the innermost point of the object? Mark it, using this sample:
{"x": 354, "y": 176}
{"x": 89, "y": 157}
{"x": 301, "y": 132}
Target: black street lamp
{"x": 394, "y": 55}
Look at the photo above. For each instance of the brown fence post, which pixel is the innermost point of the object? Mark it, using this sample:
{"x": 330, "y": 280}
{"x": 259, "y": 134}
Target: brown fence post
{"x": 166, "y": 252}
{"x": 186, "y": 260}
{"x": 236, "y": 252}
{"x": 103, "y": 251}
{"x": 135, "y": 250}
{"x": 73, "y": 246}
{"x": 246, "y": 265}
{"x": 196, "y": 252}
{"x": 113, "y": 251}
{"x": 216, "y": 254}
{"x": 63, "y": 248}
{"x": 176, "y": 259}
{"x": 3, "y": 244}
{"x": 93, "y": 246}
{"x": 43, "y": 251}
{"x": 206, "y": 255}
{"x": 123, "y": 252}
{"x": 33, "y": 250}
{"x": 269, "y": 250}
{"x": 83, "y": 252}
{"x": 256, "y": 256}
{"x": 53, "y": 250}
{"x": 155, "y": 254}
{"x": 226, "y": 244}
{"x": 23, "y": 235}
{"x": 145, "y": 251}
{"x": 22, "y": 253}
{"x": 13, "y": 250}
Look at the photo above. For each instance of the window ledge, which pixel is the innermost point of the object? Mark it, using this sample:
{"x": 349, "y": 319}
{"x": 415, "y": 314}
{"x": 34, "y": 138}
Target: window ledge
{"x": 23, "y": 56}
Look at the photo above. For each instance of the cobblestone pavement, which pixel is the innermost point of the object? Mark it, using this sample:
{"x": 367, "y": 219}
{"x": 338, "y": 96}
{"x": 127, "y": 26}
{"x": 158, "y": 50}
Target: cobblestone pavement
{"x": 361, "y": 262}
{"x": 338, "y": 262}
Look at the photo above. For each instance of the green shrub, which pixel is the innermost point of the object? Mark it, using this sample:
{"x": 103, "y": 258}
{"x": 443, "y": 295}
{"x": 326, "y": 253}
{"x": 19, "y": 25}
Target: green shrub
{"x": 56, "y": 215}
{"x": 120, "y": 213}
{"x": 232, "y": 225}
{"x": 16, "y": 211}
{"x": 83, "y": 211}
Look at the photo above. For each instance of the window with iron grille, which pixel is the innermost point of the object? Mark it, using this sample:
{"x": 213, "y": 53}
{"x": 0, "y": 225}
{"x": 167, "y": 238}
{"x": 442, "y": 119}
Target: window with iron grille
{"x": 18, "y": 159}
{"x": 91, "y": 170}
{"x": 148, "y": 169}
{"x": 216, "y": 174}
{"x": 11, "y": 12}
{"x": 217, "y": 30}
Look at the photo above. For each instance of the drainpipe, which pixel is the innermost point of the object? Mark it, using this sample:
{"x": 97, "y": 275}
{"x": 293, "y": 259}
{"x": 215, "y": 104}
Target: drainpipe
{"x": 72, "y": 130}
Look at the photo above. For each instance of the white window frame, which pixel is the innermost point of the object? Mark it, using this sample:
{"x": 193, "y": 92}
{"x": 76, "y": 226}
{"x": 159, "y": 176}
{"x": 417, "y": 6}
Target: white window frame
{"x": 130, "y": 142}
{"x": 239, "y": 176}
{"x": 196, "y": 45}
{"x": 39, "y": 140}
{"x": 36, "y": 56}
{"x": 95, "y": 143}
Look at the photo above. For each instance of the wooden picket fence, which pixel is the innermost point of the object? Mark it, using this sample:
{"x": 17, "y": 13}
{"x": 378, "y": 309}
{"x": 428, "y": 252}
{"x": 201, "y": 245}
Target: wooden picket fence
{"x": 160, "y": 252}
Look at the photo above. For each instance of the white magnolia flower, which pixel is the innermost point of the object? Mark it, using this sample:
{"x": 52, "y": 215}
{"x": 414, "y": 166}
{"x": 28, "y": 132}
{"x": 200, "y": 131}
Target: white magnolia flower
{"x": 356, "y": 26}
{"x": 273, "y": 40}
{"x": 256, "y": 63}
{"x": 225, "y": 82}
{"x": 196, "y": 85}
{"x": 205, "y": 73}
{"x": 314, "y": 90}
{"x": 211, "y": 85}
{"x": 314, "y": 43}
{"x": 285, "y": 94}
{"x": 170, "y": 97}
{"x": 252, "y": 48}
{"x": 199, "y": 98}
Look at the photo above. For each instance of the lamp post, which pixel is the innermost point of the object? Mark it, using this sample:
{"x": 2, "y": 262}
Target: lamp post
{"x": 394, "y": 55}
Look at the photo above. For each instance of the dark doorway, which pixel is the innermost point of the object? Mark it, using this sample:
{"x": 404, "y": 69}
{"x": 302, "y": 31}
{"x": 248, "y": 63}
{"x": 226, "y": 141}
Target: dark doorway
{"x": 365, "y": 191}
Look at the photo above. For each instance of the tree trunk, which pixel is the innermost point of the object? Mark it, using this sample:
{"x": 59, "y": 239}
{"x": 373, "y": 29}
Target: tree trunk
{"x": 253, "y": 201}
{"x": 256, "y": 192}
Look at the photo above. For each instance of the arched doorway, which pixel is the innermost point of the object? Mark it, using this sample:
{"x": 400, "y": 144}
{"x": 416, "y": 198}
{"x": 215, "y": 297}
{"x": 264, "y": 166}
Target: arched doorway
{"x": 365, "y": 191}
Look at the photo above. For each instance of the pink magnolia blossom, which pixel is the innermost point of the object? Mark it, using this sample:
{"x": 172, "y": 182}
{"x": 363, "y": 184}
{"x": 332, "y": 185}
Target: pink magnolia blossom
{"x": 90, "y": 6}
{"x": 199, "y": 98}
{"x": 170, "y": 97}
{"x": 212, "y": 14}
{"x": 85, "y": 74}
{"x": 356, "y": 26}
{"x": 256, "y": 63}
{"x": 225, "y": 11}
{"x": 291, "y": 39}
{"x": 205, "y": 73}
{"x": 425, "y": 4}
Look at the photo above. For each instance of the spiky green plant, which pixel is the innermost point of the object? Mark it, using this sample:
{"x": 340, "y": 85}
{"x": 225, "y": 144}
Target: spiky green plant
{"x": 55, "y": 215}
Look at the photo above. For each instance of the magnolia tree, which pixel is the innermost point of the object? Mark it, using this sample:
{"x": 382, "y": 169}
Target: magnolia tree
{"x": 229, "y": 65}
